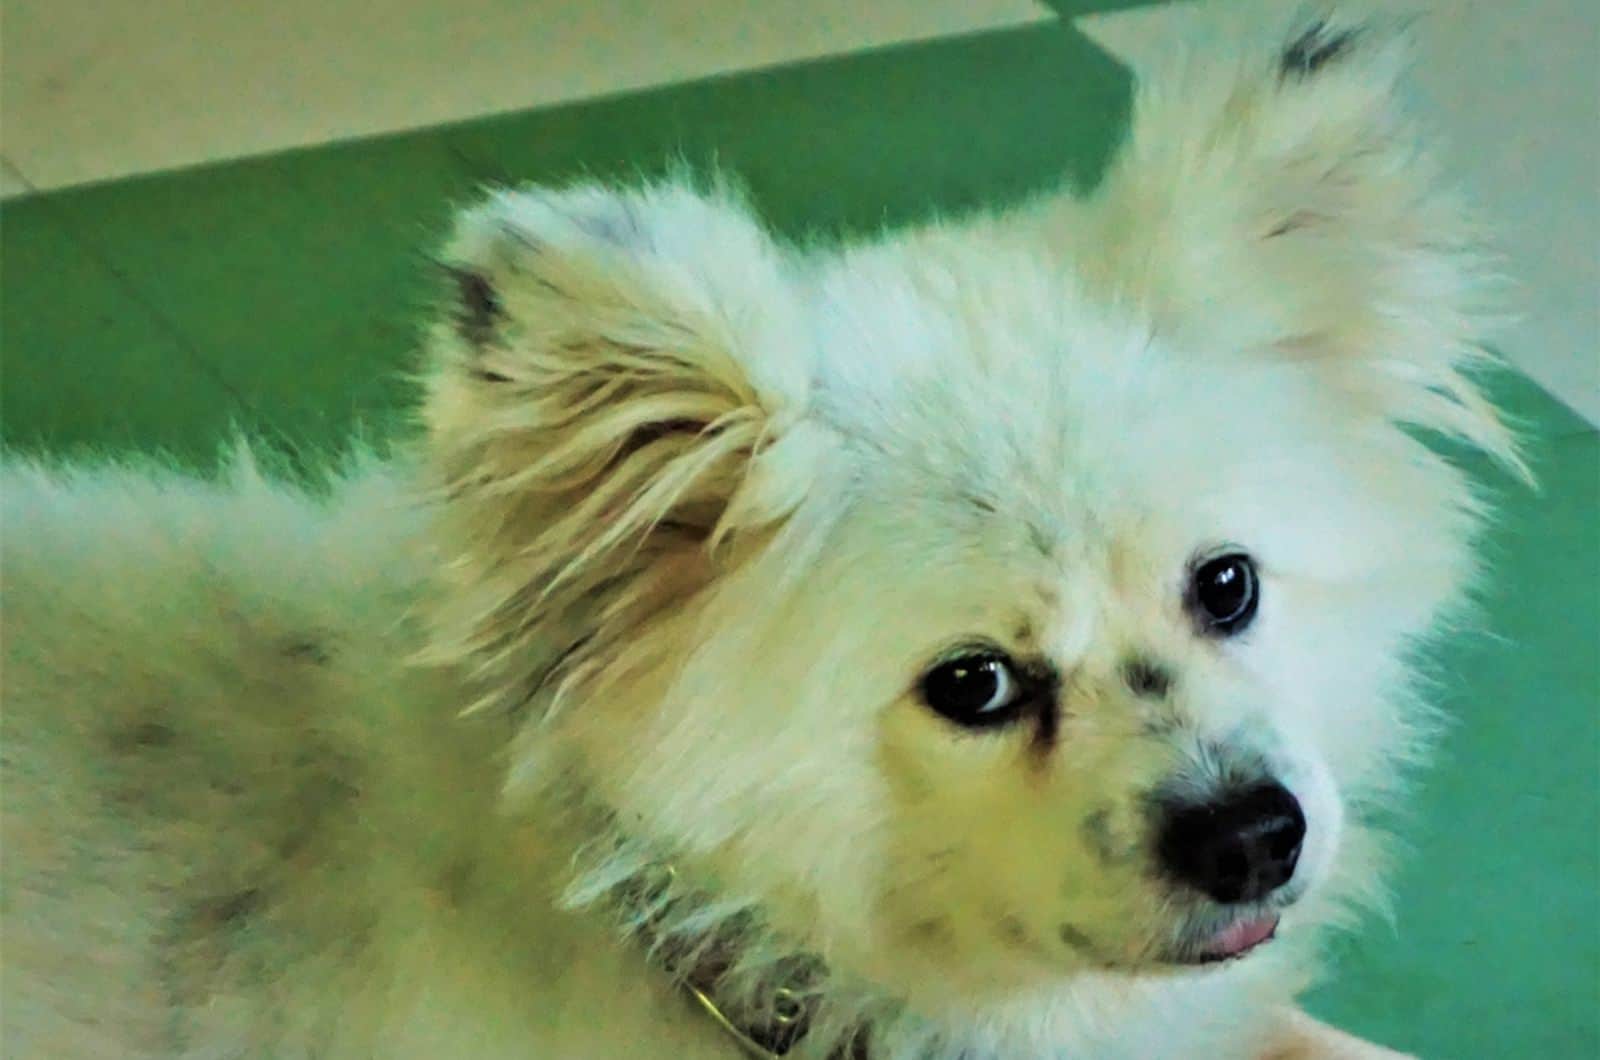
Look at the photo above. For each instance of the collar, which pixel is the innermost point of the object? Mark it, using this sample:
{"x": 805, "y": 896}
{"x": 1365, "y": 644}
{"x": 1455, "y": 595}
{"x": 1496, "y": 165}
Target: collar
{"x": 768, "y": 1007}
{"x": 781, "y": 1034}
{"x": 772, "y": 998}
{"x": 768, "y": 1022}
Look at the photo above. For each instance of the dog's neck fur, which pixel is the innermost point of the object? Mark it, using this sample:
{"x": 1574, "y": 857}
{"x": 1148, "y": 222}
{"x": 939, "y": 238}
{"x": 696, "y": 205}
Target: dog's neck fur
{"x": 773, "y": 996}
{"x": 777, "y": 996}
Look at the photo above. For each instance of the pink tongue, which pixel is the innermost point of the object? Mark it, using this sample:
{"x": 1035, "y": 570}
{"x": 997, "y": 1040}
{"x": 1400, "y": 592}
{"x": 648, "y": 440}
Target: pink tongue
{"x": 1245, "y": 935}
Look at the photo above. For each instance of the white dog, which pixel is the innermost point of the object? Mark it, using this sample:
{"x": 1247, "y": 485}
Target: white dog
{"x": 988, "y": 641}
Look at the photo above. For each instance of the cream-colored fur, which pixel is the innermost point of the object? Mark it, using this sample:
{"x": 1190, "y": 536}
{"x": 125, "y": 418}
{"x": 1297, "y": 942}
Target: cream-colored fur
{"x": 461, "y": 752}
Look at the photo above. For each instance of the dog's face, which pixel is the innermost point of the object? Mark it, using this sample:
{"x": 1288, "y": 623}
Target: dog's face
{"x": 1001, "y": 599}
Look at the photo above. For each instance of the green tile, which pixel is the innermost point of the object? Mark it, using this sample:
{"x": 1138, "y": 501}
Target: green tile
{"x": 1496, "y": 949}
{"x": 1532, "y": 411}
{"x": 1074, "y": 8}
{"x": 85, "y": 366}
{"x": 853, "y": 143}
{"x": 297, "y": 279}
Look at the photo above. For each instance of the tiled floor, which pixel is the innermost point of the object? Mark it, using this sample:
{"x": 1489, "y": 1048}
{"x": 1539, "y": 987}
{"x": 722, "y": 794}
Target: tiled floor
{"x": 93, "y": 91}
{"x": 90, "y": 92}
{"x": 279, "y": 293}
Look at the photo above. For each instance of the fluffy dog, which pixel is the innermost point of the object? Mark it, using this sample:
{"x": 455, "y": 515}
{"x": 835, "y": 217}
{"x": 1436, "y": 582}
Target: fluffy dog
{"x": 993, "y": 640}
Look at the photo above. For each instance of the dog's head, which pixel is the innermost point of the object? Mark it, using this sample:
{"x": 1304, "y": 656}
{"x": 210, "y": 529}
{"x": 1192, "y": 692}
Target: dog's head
{"x": 1005, "y": 597}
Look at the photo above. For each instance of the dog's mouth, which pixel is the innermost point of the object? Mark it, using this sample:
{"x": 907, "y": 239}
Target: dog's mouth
{"x": 1231, "y": 942}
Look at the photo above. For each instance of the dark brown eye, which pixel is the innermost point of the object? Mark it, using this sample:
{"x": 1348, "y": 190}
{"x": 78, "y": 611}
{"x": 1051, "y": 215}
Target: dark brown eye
{"x": 975, "y": 690}
{"x": 1224, "y": 593}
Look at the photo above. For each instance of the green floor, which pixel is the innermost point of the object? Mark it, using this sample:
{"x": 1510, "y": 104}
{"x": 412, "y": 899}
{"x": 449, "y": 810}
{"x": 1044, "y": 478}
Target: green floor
{"x": 280, "y": 295}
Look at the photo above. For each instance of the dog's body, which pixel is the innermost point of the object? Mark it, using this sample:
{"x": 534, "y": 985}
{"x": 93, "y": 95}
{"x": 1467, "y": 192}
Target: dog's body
{"x": 247, "y": 829}
{"x": 847, "y": 627}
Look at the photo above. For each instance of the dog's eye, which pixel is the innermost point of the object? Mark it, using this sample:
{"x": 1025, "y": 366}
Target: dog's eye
{"x": 976, "y": 690}
{"x": 1224, "y": 592}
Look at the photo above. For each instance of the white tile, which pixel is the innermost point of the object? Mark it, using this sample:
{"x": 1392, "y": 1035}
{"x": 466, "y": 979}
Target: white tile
{"x": 1514, "y": 92}
{"x": 1516, "y": 88}
{"x": 91, "y": 90}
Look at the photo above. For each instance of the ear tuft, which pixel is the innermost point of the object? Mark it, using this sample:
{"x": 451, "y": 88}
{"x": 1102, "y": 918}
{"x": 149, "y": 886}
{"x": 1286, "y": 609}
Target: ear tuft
{"x": 602, "y": 408}
{"x": 1280, "y": 202}
{"x": 1316, "y": 46}
{"x": 478, "y": 308}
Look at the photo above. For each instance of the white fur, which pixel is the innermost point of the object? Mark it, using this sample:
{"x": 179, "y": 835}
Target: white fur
{"x": 621, "y": 659}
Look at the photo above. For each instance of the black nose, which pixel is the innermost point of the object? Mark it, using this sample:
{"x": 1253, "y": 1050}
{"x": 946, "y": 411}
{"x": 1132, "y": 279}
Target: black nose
{"x": 1238, "y": 849}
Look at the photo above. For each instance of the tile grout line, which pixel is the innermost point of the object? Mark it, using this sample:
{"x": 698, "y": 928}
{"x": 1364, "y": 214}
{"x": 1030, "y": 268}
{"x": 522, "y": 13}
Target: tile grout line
{"x": 17, "y": 177}
{"x": 164, "y": 323}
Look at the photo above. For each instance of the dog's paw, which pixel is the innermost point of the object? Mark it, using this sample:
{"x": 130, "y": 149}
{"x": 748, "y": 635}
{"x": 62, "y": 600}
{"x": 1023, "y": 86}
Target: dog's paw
{"x": 1299, "y": 1037}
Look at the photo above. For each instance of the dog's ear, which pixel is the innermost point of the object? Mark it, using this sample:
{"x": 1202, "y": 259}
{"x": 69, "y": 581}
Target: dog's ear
{"x": 1281, "y": 201}
{"x": 617, "y": 385}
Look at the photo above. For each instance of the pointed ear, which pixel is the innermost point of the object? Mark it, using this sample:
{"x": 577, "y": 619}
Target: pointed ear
{"x": 1281, "y": 202}
{"x": 617, "y": 384}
